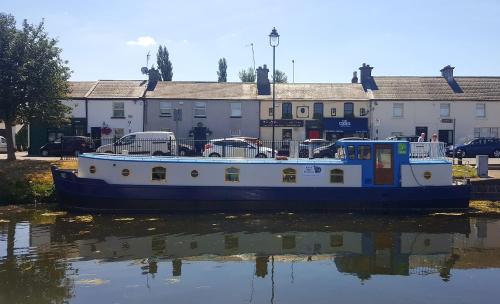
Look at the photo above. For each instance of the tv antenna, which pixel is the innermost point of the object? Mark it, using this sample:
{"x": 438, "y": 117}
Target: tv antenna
{"x": 145, "y": 70}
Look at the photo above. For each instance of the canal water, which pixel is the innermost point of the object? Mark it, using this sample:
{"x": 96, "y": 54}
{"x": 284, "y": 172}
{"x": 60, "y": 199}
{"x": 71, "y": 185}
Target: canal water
{"x": 48, "y": 256}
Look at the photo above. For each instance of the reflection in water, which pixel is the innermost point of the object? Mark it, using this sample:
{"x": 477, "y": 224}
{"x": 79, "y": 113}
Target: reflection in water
{"x": 45, "y": 259}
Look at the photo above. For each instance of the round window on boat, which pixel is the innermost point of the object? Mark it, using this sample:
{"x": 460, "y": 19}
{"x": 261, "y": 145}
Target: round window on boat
{"x": 427, "y": 174}
{"x": 92, "y": 169}
{"x": 194, "y": 173}
{"x": 125, "y": 172}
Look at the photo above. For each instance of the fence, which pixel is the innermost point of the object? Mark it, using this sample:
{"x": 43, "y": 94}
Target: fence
{"x": 228, "y": 147}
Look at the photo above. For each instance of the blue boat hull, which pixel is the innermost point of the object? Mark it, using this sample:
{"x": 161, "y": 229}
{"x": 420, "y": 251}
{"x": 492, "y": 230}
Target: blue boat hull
{"x": 93, "y": 194}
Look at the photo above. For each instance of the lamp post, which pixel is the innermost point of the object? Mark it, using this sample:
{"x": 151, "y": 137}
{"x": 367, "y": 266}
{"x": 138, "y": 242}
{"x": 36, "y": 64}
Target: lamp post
{"x": 274, "y": 41}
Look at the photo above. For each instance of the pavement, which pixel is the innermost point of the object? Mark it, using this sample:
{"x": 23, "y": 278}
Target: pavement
{"x": 24, "y": 155}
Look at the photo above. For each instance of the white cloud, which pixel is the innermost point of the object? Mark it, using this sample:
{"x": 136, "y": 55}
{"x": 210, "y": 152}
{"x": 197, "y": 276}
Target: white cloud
{"x": 144, "y": 41}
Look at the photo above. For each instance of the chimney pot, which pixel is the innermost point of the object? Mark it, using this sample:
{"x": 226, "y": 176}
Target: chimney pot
{"x": 354, "y": 77}
{"x": 447, "y": 73}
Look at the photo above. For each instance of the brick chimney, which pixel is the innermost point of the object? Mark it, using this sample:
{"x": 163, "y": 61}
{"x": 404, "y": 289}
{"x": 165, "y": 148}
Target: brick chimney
{"x": 354, "y": 77}
{"x": 263, "y": 85}
{"x": 366, "y": 77}
{"x": 447, "y": 73}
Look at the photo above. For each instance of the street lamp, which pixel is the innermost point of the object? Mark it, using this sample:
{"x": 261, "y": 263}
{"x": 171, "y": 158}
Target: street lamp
{"x": 274, "y": 41}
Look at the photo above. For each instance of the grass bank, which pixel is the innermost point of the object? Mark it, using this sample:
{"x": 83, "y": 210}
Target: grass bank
{"x": 28, "y": 181}
{"x": 464, "y": 171}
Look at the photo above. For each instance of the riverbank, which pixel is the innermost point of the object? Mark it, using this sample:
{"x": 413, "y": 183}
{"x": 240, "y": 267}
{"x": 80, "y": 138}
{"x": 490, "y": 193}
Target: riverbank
{"x": 28, "y": 181}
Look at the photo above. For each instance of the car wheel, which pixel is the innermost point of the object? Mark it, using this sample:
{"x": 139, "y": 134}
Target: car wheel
{"x": 45, "y": 153}
{"x": 461, "y": 153}
{"x": 214, "y": 155}
{"x": 157, "y": 153}
{"x": 182, "y": 152}
{"x": 496, "y": 153}
{"x": 260, "y": 155}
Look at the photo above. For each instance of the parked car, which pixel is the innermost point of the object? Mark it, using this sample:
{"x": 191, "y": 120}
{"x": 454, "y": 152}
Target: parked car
{"x": 185, "y": 150}
{"x": 68, "y": 145}
{"x": 325, "y": 151}
{"x": 3, "y": 145}
{"x": 315, "y": 143}
{"x": 235, "y": 147}
{"x": 411, "y": 138}
{"x": 479, "y": 146}
{"x": 151, "y": 142}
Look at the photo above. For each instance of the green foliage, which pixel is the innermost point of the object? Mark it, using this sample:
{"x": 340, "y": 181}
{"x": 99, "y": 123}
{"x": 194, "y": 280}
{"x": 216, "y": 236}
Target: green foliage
{"x": 33, "y": 77}
{"x": 281, "y": 77}
{"x": 164, "y": 64}
{"x": 247, "y": 75}
{"x": 222, "y": 72}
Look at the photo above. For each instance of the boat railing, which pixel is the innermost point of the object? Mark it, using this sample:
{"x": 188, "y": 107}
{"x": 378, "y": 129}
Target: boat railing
{"x": 427, "y": 150}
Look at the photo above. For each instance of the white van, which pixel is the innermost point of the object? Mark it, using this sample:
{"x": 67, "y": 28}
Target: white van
{"x": 3, "y": 145}
{"x": 152, "y": 143}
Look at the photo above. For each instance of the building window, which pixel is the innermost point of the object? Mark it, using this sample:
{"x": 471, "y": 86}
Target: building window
{"x": 289, "y": 175}
{"x": 364, "y": 153}
{"x": 485, "y": 132}
{"x": 236, "y": 109}
{"x": 165, "y": 109}
{"x": 397, "y": 110}
{"x": 200, "y": 109}
{"x": 286, "y": 110}
{"x": 92, "y": 169}
{"x": 125, "y": 172}
{"x": 333, "y": 112}
{"x": 480, "y": 110}
{"x": 337, "y": 176}
{"x": 118, "y": 132}
{"x": 232, "y": 174}
{"x": 159, "y": 174}
{"x": 118, "y": 109}
{"x": 318, "y": 110}
{"x": 362, "y": 112}
{"x": 286, "y": 134}
{"x": 444, "y": 110}
{"x": 271, "y": 112}
{"x": 348, "y": 109}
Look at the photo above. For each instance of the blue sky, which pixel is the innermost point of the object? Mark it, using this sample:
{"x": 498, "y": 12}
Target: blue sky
{"x": 327, "y": 39}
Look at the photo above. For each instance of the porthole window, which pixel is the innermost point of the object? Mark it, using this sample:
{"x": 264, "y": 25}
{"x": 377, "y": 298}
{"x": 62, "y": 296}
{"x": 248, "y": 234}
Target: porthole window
{"x": 337, "y": 176}
{"x": 289, "y": 175}
{"x": 232, "y": 174}
{"x": 125, "y": 172}
{"x": 159, "y": 174}
{"x": 427, "y": 174}
{"x": 92, "y": 169}
{"x": 194, "y": 173}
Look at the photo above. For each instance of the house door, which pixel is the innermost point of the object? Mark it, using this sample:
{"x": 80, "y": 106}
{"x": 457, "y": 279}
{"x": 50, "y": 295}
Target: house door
{"x": 313, "y": 134}
{"x": 420, "y": 130}
{"x": 446, "y": 136}
{"x": 384, "y": 163}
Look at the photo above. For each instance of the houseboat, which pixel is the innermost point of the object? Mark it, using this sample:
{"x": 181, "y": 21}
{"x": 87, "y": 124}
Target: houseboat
{"x": 365, "y": 175}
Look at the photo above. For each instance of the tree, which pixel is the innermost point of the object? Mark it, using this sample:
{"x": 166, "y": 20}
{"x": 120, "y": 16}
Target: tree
{"x": 164, "y": 64}
{"x": 247, "y": 75}
{"x": 33, "y": 77}
{"x": 222, "y": 72}
{"x": 281, "y": 77}
{"x": 153, "y": 77}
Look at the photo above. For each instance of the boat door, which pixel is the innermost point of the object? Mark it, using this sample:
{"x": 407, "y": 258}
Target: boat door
{"x": 384, "y": 165}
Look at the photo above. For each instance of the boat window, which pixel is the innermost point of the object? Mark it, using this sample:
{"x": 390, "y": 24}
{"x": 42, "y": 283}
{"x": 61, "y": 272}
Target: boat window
{"x": 232, "y": 174}
{"x": 289, "y": 175}
{"x": 340, "y": 153}
{"x": 364, "y": 152}
{"x": 351, "y": 152}
{"x": 337, "y": 176}
{"x": 92, "y": 169}
{"x": 125, "y": 172}
{"x": 159, "y": 174}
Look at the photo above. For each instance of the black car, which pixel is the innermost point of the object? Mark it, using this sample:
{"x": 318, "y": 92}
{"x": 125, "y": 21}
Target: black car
{"x": 480, "y": 146}
{"x": 68, "y": 145}
{"x": 325, "y": 151}
{"x": 315, "y": 143}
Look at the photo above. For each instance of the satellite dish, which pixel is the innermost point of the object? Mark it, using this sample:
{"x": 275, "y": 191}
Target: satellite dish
{"x": 144, "y": 70}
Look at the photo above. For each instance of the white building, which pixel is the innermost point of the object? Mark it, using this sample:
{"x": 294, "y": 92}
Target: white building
{"x": 454, "y": 108}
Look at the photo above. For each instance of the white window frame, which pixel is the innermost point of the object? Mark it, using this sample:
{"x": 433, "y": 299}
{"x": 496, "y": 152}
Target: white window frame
{"x": 165, "y": 109}
{"x": 398, "y": 106}
{"x": 200, "y": 109}
{"x": 118, "y": 108}
{"x": 236, "y": 109}
{"x": 481, "y": 107}
{"x": 444, "y": 110}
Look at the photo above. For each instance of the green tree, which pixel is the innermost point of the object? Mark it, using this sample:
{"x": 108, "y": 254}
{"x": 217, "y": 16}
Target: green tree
{"x": 281, "y": 77}
{"x": 33, "y": 77}
{"x": 164, "y": 64}
{"x": 222, "y": 72}
{"x": 247, "y": 75}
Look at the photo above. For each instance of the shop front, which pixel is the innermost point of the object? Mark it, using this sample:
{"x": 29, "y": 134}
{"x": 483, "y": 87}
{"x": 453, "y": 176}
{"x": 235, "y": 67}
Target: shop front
{"x": 314, "y": 129}
{"x": 285, "y": 129}
{"x": 337, "y": 128}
